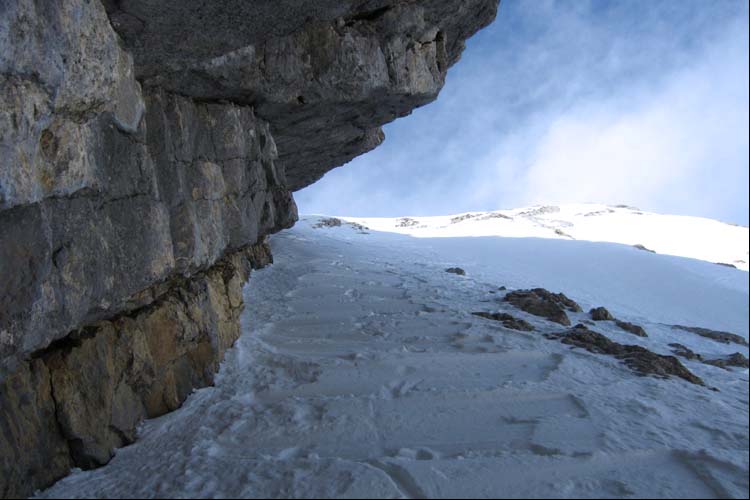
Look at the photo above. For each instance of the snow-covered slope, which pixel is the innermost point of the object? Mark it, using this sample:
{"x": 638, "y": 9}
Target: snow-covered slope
{"x": 693, "y": 237}
{"x": 362, "y": 372}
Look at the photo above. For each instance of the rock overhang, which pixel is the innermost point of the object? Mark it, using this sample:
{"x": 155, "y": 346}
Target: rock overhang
{"x": 148, "y": 148}
{"x": 325, "y": 76}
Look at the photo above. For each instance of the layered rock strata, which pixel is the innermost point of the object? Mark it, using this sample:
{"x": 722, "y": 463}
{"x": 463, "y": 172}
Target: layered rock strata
{"x": 73, "y": 403}
{"x": 148, "y": 147}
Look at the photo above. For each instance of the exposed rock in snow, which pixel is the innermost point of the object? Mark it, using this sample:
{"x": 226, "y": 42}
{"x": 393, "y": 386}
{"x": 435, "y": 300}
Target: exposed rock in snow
{"x": 728, "y": 265}
{"x": 407, "y": 222}
{"x": 632, "y": 328}
{"x": 460, "y": 218}
{"x": 737, "y": 359}
{"x": 718, "y": 336}
{"x": 541, "y": 302}
{"x": 537, "y": 211}
{"x": 456, "y": 270}
{"x": 508, "y": 320}
{"x": 636, "y": 357}
{"x": 494, "y": 215}
{"x": 685, "y": 352}
{"x": 641, "y": 247}
{"x": 601, "y": 314}
{"x": 328, "y": 222}
{"x": 335, "y": 222}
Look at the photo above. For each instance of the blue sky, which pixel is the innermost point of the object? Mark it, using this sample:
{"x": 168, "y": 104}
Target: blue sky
{"x": 641, "y": 102}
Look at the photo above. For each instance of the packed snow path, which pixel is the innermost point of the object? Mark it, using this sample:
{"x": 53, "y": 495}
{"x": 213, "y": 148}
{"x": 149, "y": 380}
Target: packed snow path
{"x": 362, "y": 373}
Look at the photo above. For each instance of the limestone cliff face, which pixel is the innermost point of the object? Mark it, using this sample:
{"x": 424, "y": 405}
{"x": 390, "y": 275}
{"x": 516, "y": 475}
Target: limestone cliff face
{"x": 148, "y": 147}
{"x": 325, "y": 74}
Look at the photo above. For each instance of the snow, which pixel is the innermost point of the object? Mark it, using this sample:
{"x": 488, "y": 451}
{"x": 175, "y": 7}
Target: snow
{"x": 694, "y": 237}
{"x": 361, "y": 372}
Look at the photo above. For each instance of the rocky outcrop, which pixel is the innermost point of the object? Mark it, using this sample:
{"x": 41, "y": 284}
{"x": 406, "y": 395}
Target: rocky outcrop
{"x": 407, "y": 222}
{"x": 737, "y": 359}
{"x": 330, "y": 222}
{"x": 685, "y": 352}
{"x": 325, "y": 75}
{"x": 133, "y": 155}
{"x": 641, "y": 247}
{"x": 80, "y": 398}
{"x": 147, "y": 147}
{"x": 508, "y": 320}
{"x": 601, "y": 314}
{"x": 637, "y": 358}
{"x": 541, "y": 302}
{"x": 194, "y": 183}
{"x": 106, "y": 191}
{"x": 718, "y": 336}
{"x": 725, "y": 264}
{"x": 631, "y": 328}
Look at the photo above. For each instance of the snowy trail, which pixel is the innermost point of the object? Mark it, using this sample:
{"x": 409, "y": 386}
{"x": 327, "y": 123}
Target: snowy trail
{"x": 362, "y": 373}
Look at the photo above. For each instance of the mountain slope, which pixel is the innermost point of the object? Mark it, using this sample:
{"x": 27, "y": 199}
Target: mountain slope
{"x": 362, "y": 371}
{"x": 694, "y": 237}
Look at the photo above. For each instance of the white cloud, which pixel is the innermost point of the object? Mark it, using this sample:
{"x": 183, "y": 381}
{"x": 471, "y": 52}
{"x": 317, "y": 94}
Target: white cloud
{"x": 664, "y": 147}
{"x": 644, "y": 103}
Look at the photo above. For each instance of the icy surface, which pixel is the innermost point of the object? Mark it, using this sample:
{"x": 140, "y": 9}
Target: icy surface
{"x": 362, "y": 372}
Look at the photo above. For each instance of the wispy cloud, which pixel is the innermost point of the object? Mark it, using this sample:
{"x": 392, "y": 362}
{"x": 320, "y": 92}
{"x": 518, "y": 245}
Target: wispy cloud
{"x": 643, "y": 103}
